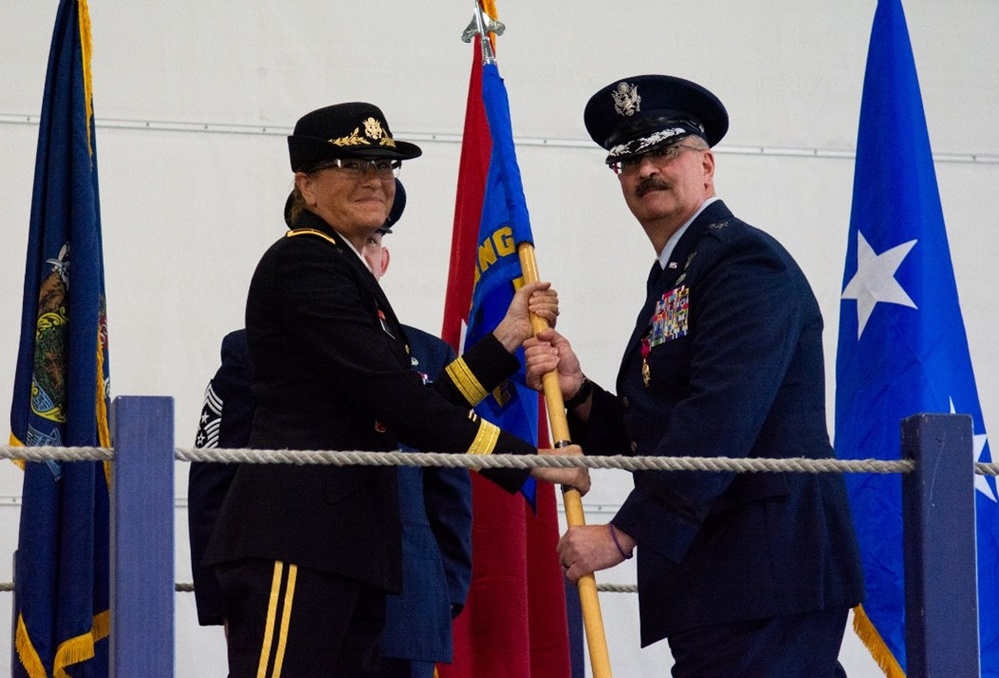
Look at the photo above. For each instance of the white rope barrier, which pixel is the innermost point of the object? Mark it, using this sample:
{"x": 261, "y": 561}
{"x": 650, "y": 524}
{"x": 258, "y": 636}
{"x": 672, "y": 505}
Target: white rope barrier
{"x": 473, "y": 461}
{"x": 43, "y": 453}
{"x": 478, "y": 461}
{"x": 187, "y": 587}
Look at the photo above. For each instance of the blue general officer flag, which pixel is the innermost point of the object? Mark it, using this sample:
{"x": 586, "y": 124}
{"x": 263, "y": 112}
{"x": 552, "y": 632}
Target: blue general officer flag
{"x": 505, "y": 223}
{"x": 902, "y": 345}
{"x": 61, "y": 617}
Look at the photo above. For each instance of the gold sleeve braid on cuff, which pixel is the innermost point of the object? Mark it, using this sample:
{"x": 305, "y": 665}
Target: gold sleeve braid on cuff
{"x": 486, "y": 439}
{"x": 465, "y": 381}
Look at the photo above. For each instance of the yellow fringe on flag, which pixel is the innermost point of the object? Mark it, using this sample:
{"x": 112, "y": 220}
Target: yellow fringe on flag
{"x": 102, "y": 625}
{"x": 81, "y": 648}
{"x": 73, "y": 651}
{"x": 26, "y": 652}
{"x": 870, "y": 637}
{"x": 15, "y": 442}
{"x": 86, "y": 47}
{"x": 103, "y": 430}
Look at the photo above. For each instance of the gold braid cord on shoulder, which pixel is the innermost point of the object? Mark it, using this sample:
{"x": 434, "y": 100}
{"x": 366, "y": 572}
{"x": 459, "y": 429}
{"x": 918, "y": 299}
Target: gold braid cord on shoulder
{"x": 310, "y": 231}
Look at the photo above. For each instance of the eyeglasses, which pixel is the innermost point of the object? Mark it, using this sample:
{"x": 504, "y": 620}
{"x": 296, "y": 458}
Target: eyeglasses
{"x": 356, "y": 169}
{"x": 658, "y": 156}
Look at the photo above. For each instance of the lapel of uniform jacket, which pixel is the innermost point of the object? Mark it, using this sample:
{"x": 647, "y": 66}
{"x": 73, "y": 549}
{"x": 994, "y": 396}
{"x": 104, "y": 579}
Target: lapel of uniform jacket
{"x": 674, "y": 273}
{"x": 382, "y": 308}
{"x": 386, "y": 316}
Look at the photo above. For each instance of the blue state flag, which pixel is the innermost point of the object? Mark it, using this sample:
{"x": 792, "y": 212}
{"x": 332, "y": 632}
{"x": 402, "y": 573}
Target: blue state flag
{"x": 505, "y": 224}
{"x": 902, "y": 344}
{"x": 61, "y": 617}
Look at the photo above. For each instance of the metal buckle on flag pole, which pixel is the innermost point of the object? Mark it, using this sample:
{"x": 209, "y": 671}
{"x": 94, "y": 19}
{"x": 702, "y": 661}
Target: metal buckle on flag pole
{"x": 482, "y": 27}
{"x": 492, "y": 26}
{"x": 482, "y": 24}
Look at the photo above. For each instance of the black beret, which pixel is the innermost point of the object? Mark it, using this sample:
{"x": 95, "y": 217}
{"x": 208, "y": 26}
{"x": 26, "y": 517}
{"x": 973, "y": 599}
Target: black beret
{"x": 635, "y": 115}
{"x": 350, "y": 130}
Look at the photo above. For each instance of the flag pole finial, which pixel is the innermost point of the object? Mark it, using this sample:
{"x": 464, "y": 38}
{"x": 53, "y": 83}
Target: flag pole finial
{"x": 482, "y": 25}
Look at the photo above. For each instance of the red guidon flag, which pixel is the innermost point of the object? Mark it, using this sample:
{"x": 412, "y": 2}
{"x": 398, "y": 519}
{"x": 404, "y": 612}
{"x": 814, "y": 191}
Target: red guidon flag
{"x": 514, "y": 623}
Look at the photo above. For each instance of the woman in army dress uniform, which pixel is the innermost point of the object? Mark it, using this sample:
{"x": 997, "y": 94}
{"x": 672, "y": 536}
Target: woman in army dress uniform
{"x": 306, "y": 554}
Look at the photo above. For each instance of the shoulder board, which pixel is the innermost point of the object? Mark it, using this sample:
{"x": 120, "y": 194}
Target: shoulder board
{"x": 310, "y": 231}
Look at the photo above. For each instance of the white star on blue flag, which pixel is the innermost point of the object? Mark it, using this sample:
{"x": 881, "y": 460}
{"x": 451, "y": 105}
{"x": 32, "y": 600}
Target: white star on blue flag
{"x": 902, "y": 345}
{"x": 875, "y": 280}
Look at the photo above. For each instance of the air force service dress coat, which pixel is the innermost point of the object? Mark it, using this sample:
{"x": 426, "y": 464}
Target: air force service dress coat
{"x": 332, "y": 370}
{"x": 726, "y": 360}
{"x": 436, "y": 511}
{"x": 226, "y": 420}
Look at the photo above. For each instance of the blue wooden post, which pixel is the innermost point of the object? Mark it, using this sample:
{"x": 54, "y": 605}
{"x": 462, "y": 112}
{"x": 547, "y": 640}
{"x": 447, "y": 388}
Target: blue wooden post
{"x": 14, "y": 661}
{"x": 938, "y": 509}
{"x": 142, "y": 533}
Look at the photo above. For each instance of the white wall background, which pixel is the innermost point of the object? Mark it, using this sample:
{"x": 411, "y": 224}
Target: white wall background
{"x": 193, "y": 101}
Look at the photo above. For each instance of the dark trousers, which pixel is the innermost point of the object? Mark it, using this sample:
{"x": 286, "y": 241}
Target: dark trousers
{"x": 790, "y": 646}
{"x": 299, "y": 623}
{"x": 404, "y": 668}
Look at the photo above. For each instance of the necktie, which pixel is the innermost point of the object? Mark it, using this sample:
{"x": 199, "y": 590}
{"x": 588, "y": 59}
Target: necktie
{"x": 654, "y": 273}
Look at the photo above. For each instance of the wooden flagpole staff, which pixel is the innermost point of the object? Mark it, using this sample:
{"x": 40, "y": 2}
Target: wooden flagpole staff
{"x": 593, "y": 622}
{"x": 589, "y": 602}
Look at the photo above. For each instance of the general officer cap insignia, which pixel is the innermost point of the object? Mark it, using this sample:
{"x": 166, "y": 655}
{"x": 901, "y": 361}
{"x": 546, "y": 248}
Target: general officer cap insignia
{"x": 638, "y": 114}
{"x": 349, "y": 130}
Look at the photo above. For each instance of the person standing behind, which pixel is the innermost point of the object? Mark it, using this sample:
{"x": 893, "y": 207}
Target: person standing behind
{"x": 305, "y": 555}
{"x": 745, "y": 574}
{"x": 435, "y": 503}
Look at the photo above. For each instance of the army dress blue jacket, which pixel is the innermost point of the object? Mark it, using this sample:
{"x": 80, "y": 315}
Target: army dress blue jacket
{"x": 726, "y": 361}
{"x": 435, "y": 507}
{"x": 332, "y": 371}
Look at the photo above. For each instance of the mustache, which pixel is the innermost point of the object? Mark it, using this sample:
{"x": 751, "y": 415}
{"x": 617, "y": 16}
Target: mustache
{"x": 651, "y": 184}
